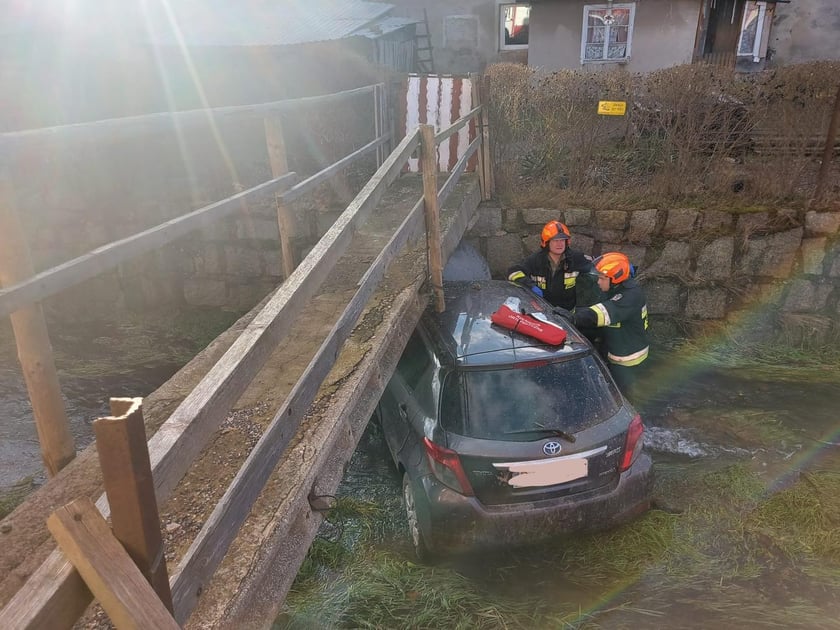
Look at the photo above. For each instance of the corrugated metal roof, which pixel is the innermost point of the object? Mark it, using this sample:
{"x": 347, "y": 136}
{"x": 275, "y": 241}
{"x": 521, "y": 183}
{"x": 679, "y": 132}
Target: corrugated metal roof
{"x": 197, "y": 22}
{"x": 261, "y": 23}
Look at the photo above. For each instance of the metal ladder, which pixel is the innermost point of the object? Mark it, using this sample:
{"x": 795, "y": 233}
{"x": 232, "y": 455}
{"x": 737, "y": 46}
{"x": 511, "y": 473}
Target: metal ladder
{"x": 424, "y": 62}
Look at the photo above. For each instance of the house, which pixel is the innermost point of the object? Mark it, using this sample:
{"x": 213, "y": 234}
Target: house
{"x": 639, "y": 35}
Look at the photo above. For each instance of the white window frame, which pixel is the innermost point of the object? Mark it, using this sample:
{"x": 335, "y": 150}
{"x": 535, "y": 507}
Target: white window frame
{"x": 501, "y": 17}
{"x": 758, "y": 50}
{"x": 630, "y": 27}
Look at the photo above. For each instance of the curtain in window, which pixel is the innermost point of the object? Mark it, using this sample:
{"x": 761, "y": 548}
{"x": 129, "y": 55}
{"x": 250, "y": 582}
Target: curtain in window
{"x": 607, "y": 33}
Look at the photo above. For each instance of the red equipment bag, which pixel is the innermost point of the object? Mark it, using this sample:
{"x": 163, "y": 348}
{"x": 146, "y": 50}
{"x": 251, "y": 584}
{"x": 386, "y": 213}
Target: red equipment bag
{"x": 527, "y": 324}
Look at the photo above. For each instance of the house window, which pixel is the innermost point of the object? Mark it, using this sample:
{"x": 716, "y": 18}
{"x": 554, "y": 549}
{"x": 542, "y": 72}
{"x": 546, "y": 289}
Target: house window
{"x": 513, "y": 26}
{"x": 607, "y": 32}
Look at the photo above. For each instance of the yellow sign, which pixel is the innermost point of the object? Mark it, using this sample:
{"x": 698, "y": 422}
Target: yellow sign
{"x": 612, "y": 108}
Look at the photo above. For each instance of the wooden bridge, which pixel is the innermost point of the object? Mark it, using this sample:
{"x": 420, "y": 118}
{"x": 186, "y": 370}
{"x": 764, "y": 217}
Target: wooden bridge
{"x": 297, "y": 378}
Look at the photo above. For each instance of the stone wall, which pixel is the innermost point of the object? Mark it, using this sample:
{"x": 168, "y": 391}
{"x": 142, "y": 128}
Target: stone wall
{"x": 696, "y": 265}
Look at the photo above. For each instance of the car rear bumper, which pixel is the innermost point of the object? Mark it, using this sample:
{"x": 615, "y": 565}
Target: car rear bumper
{"x": 460, "y": 523}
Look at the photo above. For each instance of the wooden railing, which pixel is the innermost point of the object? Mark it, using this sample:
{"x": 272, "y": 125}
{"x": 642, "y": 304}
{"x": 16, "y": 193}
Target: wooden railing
{"x": 56, "y": 595}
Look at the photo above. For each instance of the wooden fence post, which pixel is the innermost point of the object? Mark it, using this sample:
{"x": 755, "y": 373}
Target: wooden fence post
{"x": 279, "y": 166}
{"x": 127, "y": 477}
{"x": 828, "y": 151}
{"x": 476, "y": 101}
{"x": 84, "y": 537}
{"x": 379, "y": 121}
{"x": 58, "y": 447}
{"x": 428, "y": 159}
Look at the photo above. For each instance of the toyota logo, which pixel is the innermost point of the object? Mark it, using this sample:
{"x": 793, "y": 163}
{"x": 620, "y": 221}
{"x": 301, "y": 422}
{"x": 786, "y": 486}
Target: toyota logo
{"x": 551, "y": 448}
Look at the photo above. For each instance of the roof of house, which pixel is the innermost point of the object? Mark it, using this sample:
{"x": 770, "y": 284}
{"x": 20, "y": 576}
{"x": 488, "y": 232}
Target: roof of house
{"x": 201, "y": 22}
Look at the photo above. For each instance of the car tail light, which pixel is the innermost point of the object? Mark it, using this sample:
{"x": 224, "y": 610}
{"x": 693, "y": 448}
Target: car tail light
{"x": 633, "y": 443}
{"x": 446, "y": 466}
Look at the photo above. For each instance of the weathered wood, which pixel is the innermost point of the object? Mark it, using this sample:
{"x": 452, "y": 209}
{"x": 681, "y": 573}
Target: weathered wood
{"x": 108, "y": 256}
{"x": 222, "y": 526}
{"x": 828, "y": 151}
{"x": 175, "y": 446}
{"x": 476, "y": 99}
{"x": 130, "y": 127}
{"x": 127, "y": 477}
{"x": 34, "y": 350}
{"x": 455, "y": 127}
{"x": 489, "y": 178}
{"x": 313, "y": 181}
{"x": 457, "y": 171}
{"x": 379, "y": 120}
{"x": 276, "y": 145}
{"x": 84, "y": 537}
{"x": 428, "y": 160}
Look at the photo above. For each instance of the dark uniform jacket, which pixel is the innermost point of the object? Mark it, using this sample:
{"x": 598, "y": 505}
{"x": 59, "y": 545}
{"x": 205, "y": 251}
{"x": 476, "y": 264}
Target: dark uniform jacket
{"x": 624, "y": 318}
{"x": 558, "y": 288}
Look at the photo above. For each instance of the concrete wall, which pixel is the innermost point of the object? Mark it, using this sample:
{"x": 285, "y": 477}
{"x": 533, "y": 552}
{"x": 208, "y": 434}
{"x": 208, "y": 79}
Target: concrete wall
{"x": 805, "y": 30}
{"x": 696, "y": 265}
{"x": 663, "y": 35}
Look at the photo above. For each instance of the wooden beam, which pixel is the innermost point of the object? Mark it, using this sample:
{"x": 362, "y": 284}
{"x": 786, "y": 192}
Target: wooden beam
{"x": 127, "y": 477}
{"x": 276, "y": 145}
{"x": 34, "y": 350}
{"x": 210, "y": 546}
{"x": 457, "y": 125}
{"x": 84, "y": 536}
{"x": 489, "y": 179}
{"x": 428, "y": 160}
{"x": 475, "y": 79}
{"x": 131, "y": 127}
{"x": 108, "y": 256}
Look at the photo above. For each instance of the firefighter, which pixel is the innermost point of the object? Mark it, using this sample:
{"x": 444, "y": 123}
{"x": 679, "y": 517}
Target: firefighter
{"x": 553, "y": 271}
{"x": 623, "y": 317}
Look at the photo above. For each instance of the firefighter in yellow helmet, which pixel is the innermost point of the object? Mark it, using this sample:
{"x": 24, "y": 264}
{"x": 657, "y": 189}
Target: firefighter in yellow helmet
{"x": 553, "y": 271}
{"x": 623, "y": 317}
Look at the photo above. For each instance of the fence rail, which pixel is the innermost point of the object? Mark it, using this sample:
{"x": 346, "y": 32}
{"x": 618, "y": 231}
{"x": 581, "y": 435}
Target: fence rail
{"x": 55, "y": 595}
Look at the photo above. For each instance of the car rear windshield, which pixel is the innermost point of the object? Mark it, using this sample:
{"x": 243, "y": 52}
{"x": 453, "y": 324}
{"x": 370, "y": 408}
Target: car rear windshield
{"x": 569, "y": 395}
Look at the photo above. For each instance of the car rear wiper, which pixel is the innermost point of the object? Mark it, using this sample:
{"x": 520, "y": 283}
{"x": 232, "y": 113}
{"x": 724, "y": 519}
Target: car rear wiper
{"x": 545, "y": 430}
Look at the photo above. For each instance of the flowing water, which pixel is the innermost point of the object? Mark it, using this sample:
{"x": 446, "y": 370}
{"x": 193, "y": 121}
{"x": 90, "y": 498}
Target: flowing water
{"x": 744, "y": 530}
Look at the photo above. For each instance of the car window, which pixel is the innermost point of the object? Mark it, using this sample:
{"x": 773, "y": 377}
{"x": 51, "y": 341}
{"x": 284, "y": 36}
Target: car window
{"x": 451, "y": 403}
{"x": 414, "y": 362}
{"x": 569, "y": 395}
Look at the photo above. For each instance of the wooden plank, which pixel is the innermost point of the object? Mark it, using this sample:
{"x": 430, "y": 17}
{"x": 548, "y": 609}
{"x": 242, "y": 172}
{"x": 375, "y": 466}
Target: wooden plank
{"x": 428, "y": 159}
{"x": 210, "y": 546}
{"x": 457, "y": 125}
{"x": 119, "y": 129}
{"x": 84, "y": 536}
{"x": 313, "y": 181}
{"x": 457, "y": 171}
{"x": 108, "y": 256}
{"x": 378, "y": 121}
{"x": 476, "y": 99}
{"x": 127, "y": 477}
{"x": 58, "y": 448}
{"x": 182, "y": 437}
{"x": 489, "y": 180}
{"x": 276, "y": 145}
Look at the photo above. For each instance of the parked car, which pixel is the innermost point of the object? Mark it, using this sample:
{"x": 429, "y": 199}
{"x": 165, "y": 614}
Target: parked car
{"x": 501, "y": 439}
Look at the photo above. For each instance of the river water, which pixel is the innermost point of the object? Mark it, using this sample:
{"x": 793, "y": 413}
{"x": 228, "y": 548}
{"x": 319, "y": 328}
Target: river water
{"x": 731, "y": 542}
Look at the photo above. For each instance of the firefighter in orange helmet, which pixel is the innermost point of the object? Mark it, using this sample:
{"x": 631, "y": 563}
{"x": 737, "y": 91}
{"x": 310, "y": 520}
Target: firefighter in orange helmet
{"x": 553, "y": 271}
{"x": 623, "y": 317}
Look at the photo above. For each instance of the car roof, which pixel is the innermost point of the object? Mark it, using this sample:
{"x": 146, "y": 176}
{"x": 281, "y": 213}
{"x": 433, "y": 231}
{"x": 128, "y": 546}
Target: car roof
{"x": 465, "y": 330}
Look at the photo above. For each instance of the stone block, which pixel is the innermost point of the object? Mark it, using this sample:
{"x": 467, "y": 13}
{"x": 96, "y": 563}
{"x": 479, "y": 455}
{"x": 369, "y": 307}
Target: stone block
{"x": 663, "y": 298}
{"x": 209, "y": 260}
{"x": 205, "y": 292}
{"x": 753, "y": 223}
{"x": 643, "y": 225}
{"x": 822, "y": 222}
{"x": 771, "y": 256}
{"x": 813, "y": 254}
{"x": 243, "y": 261}
{"x": 715, "y": 260}
{"x": 680, "y": 223}
{"x": 611, "y": 219}
{"x": 716, "y": 221}
{"x": 806, "y": 296}
{"x": 577, "y": 216}
{"x": 604, "y": 235}
{"x": 487, "y": 221}
{"x": 583, "y": 243}
{"x": 675, "y": 259}
{"x": 706, "y": 304}
{"x": 257, "y": 228}
{"x": 503, "y": 251}
{"x": 510, "y": 220}
{"x": 635, "y": 253}
{"x": 540, "y": 216}
{"x": 835, "y": 268}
